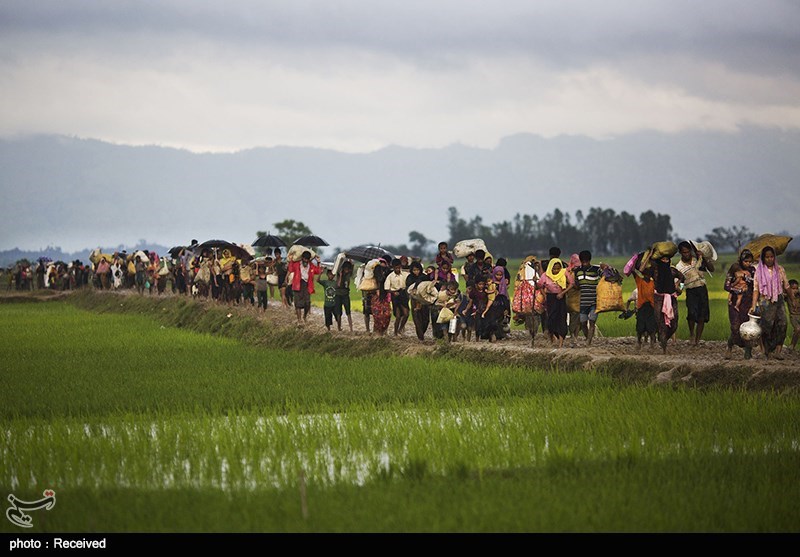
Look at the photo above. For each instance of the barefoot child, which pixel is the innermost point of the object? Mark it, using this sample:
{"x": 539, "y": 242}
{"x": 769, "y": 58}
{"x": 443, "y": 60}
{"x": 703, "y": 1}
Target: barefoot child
{"x": 329, "y": 305}
{"x": 261, "y": 287}
{"x": 466, "y": 318}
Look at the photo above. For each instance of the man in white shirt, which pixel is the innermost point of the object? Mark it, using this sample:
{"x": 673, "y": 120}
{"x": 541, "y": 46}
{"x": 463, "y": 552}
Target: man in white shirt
{"x": 395, "y": 284}
{"x": 693, "y": 267}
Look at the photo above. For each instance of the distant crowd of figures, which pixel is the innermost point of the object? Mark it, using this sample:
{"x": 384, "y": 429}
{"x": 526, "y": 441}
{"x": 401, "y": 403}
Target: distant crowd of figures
{"x": 555, "y": 297}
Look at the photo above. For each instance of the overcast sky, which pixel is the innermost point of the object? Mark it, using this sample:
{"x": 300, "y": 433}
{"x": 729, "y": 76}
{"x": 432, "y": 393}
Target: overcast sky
{"x": 356, "y": 76}
{"x": 359, "y": 75}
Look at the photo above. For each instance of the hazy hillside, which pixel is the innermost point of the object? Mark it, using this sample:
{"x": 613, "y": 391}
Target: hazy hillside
{"x": 76, "y": 194}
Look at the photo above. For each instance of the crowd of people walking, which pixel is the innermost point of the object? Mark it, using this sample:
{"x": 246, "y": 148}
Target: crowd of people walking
{"x": 554, "y": 298}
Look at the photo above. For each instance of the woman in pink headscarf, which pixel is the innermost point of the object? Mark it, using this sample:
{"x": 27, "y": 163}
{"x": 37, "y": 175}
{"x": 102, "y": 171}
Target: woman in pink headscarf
{"x": 769, "y": 288}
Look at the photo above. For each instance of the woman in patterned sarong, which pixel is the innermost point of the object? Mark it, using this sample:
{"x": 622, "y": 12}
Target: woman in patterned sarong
{"x": 769, "y": 293}
{"x": 381, "y": 302}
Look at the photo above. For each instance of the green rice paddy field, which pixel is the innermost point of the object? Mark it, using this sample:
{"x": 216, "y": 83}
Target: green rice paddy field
{"x": 142, "y": 427}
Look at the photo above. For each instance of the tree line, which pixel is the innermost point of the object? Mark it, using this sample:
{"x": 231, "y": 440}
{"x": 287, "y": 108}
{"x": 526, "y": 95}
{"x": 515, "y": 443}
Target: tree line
{"x": 603, "y": 231}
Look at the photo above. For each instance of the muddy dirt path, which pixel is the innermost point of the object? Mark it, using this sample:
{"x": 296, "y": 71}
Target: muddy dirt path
{"x": 703, "y": 365}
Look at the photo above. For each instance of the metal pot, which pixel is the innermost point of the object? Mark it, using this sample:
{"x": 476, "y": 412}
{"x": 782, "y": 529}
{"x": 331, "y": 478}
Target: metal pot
{"x": 750, "y": 330}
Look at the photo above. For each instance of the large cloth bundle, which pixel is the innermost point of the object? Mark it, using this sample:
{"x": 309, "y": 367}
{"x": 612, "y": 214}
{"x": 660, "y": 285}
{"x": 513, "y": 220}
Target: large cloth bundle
{"x": 657, "y": 251}
{"x": 706, "y": 249}
{"x": 368, "y": 284}
{"x": 337, "y": 263}
{"x": 778, "y": 243}
{"x": 203, "y": 275}
{"x": 664, "y": 249}
{"x": 609, "y": 296}
{"x": 296, "y": 251}
{"x": 97, "y": 255}
{"x": 574, "y": 300}
{"x": 369, "y": 267}
{"x": 424, "y": 292}
{"x": 163, "y": 267}
{"x": 522, "y": 302}
{"x": 465, "y": 247}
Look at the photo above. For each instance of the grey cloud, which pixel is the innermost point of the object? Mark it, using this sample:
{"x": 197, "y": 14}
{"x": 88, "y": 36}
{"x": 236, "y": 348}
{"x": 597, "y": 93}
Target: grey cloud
{"x": 753, "y": 37}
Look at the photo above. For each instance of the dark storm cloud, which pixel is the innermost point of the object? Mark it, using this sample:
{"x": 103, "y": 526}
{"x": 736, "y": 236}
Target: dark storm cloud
{"x": 760, "y": 37}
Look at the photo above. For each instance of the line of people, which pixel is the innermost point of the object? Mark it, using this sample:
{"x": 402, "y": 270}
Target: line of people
{"x": 554, "y": 297}
{"x": 760, "y": 287}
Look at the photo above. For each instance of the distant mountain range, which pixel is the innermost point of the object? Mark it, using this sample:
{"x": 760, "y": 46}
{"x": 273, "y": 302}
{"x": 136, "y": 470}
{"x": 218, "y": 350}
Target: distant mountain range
{"x": 80, "y": 193}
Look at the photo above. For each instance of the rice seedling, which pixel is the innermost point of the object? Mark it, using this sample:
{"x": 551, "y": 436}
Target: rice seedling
{"x": 125, "y": 418}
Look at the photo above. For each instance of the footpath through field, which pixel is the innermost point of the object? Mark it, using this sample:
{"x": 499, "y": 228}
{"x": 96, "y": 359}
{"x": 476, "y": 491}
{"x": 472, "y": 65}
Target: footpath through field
{"x": 702, "y": 366}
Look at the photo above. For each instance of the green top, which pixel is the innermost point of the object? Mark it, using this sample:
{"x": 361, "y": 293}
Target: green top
{"x": 330, "y": 292}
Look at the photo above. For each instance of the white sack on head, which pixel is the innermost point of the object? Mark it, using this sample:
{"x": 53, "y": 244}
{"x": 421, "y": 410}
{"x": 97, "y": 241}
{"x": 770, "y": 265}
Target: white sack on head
{"x": 296, "y": 251}
{"x": 465, "y": 247}
{"x": 337, "y": 263}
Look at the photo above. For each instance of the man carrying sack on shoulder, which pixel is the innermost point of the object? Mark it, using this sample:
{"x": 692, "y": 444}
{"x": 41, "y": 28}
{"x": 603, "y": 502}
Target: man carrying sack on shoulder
{"x": 693, "y": 266}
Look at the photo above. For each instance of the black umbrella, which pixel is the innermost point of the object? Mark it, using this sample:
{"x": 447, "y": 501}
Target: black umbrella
{"x": 237, "y": 251}
{"x": 310, "y": 241}
{"x": 268, "y": 241}
{"x": 366, "y": 253}
{"x": 176, "y": 251}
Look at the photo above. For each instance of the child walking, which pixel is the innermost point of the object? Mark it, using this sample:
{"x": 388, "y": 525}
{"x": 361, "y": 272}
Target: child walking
{"x": 329, "y": 305}
{"x": 262, "y": 287}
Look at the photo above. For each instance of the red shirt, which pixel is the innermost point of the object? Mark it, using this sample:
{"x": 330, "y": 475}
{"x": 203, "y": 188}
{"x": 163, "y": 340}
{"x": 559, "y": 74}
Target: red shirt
{"x": 313, "y": 270}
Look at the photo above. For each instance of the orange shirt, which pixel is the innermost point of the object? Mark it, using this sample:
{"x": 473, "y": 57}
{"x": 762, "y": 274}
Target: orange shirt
{"x": 645, "y": 291}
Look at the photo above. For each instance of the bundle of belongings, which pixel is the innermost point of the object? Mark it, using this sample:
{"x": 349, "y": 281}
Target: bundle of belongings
{"x": 609, "y": 291}
{"x": 424, "y": 292}
{"x": 465, "y": 247}
{"x": 778, "y": 243}
{"x": 296, "y": 251}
